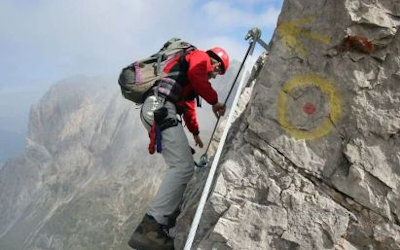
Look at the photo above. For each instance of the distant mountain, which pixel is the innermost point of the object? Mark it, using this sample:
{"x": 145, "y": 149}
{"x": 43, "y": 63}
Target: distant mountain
{"x": 83, "y": 170}
{"x": 86, "y": 177}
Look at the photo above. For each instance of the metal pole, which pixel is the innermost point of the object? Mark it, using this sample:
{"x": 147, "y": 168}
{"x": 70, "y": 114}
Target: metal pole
{"x": 229, "y": 93}
{"x": 199, "y": 211}
{"x": 253, "y": 36}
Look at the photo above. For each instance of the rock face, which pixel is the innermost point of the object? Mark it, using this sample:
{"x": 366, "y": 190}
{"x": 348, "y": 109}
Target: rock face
{"x": 314, "y": 160}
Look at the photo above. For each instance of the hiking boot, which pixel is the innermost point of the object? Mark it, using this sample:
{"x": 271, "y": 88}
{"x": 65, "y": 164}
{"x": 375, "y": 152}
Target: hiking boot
{"x": 172, "y": 218}
{"x": 149, "y": 235}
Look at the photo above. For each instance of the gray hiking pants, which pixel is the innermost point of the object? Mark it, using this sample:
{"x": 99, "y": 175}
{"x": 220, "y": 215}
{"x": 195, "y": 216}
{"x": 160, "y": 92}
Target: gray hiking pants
{"x": 178, "y": 157}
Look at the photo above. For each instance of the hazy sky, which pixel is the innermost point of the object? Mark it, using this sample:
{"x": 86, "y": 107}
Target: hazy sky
{"x": 44, "y": 41}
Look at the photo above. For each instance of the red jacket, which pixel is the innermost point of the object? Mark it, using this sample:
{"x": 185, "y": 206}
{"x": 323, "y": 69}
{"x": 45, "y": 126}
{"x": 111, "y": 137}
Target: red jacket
{"x": 196, "y": 83}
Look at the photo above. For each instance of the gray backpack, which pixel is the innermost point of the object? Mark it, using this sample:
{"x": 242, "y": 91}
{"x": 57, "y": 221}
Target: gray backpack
{"x": 137, "y": 79}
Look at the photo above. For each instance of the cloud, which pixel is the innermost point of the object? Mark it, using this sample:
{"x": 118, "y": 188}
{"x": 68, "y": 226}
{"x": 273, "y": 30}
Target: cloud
{"x": 229, "y": 14}
{"x": 47, "y": 40}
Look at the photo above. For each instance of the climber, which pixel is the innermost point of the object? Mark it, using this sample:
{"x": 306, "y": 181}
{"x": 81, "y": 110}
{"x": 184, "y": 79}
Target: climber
{"x": 190, "y": 74}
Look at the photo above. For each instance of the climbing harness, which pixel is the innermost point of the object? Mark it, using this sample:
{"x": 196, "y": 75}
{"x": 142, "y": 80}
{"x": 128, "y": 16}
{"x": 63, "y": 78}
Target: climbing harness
{"x": 160, "y": 123}
{"x": 253, "y": 36}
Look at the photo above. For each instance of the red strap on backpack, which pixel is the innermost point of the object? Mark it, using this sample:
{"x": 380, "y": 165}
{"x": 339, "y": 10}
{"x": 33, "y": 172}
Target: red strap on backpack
{"x": 152, "y": 136}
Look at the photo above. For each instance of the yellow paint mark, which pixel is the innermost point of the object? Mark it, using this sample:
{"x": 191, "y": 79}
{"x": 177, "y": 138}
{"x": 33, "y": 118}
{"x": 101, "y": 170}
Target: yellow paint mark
{"x": 291, "y": 33}
{"x": 326, "y": 87}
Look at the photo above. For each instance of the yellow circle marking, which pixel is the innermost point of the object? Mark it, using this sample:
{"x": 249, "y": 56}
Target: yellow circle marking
{"x": 326, "y": 87}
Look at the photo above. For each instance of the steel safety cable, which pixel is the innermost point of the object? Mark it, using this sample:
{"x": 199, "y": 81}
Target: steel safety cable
{"x": 200, "y": 208}
{"x": 229, "y": 93}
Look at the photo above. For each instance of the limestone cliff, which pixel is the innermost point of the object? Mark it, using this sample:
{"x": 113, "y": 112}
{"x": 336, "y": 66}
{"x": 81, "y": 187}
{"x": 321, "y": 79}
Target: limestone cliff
{"x": 314, "y": 160}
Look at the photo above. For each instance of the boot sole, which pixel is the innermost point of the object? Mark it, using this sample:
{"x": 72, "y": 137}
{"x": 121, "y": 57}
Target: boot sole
{"x": 140, "y": 245}
{"x": 137, "y": 245}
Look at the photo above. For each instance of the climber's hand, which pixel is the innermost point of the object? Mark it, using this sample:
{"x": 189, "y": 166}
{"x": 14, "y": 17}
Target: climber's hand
{"x": 198, "y": 141}
{"x": 218, "y": 109}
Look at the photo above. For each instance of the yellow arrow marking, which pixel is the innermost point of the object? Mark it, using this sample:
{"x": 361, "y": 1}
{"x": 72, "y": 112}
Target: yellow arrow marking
{"x": 291, "y": 32}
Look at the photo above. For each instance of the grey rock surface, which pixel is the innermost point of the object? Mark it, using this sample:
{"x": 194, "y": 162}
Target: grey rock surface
{"x": 311, "y": 162}
{"x": 314, "y": 160}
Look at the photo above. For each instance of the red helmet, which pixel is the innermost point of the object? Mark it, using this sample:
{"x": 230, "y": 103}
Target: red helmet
{"x": 221, "y": 56}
